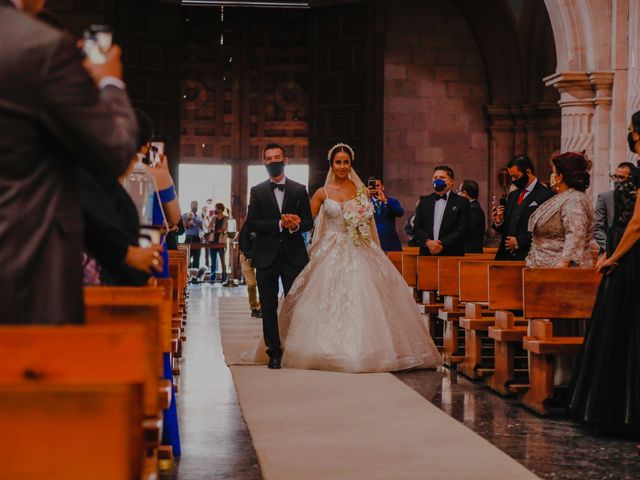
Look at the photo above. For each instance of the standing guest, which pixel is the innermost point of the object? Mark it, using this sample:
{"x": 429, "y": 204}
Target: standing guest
{"x": 207, "y": 234}
{"x": 112, "y": 227}
{"x": 512, "y": 220}
{"x": 218, "y": 229}
{"x": 193, "y": 229}
{"x": 409, "y": 231}
{"x": 562, "y": 228}
{"x": 476, "y": 227}
{"x": 604, "y": 206}
{"x": 245, "y": 244}
{"x": 386, "y": 210}
{"x": 606, "y": 385}
{"x": 441, "y": 218}
{"x": 55, "y": 114}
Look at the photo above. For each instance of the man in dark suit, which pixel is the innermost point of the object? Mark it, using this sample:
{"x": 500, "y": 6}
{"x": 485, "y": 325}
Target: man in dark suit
{"x": 279, "y": 213}
{"x": 386, "y": 210}
{"x": 512, "y": 220}
{"x": 441, "y": 218}
{"x": 477, "y": 224}
{"x": 604, "y": 211}
{"x": 53, "y": 117}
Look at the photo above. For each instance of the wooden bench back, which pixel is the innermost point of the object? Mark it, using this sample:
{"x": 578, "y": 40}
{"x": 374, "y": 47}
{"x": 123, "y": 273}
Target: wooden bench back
{"x": 72, "y": 389}
{"x": 167, "y": 320}
{"x": 448, "y": 272}
{"x": 142, "y": 306}
{"x": 559, "y": 292}
{"x": 474, "y": 279}
{"x": 505, "y": 286}
{"x": 410, "y": 267}
{"x": 427, "y": 273}
{"x": 396, "y": 259}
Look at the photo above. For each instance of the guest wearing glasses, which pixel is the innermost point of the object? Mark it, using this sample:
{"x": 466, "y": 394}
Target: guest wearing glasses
{"x": 604, "y": 206}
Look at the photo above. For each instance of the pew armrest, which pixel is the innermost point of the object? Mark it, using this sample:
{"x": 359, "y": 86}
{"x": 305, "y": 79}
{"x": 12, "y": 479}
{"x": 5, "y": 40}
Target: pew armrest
{"x": 552, "y": 346}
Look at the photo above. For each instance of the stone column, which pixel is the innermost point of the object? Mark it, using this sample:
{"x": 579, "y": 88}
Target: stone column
{"x": 501, "y": 143}
{"x": 585, "y": 103}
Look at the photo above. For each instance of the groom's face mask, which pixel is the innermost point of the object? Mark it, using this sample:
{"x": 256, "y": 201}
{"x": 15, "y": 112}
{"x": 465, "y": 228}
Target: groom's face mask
{"x": 274, "y": 161}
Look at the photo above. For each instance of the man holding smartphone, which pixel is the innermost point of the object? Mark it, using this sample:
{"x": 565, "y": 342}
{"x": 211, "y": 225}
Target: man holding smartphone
{"x": 511, "y": 221}
{"x": 386, "y": 210}
{"x": 56, "y": 113}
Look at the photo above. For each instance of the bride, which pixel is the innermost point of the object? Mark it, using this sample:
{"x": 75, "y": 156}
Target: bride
{"x": 349, "y": 310}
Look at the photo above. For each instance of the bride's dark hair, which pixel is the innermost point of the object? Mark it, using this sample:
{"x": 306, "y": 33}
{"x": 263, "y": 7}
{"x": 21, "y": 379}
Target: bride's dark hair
{"x": 340, "y": 148}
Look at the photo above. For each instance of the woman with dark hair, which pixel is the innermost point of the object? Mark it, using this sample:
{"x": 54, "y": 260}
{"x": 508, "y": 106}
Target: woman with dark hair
{"x": 349, "y": 310}
{"x": 606, "y": 385}
{"x": 562, "y": 227}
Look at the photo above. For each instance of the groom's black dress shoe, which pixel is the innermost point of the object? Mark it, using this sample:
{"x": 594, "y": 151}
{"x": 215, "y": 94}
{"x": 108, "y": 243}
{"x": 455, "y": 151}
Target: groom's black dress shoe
{"x": 274, "y": 363}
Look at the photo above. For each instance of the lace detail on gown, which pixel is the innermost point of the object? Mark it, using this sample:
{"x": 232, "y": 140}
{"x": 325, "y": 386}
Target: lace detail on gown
{"x": 350, "y": 310}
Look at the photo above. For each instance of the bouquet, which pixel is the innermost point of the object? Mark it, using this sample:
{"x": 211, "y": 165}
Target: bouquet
{"x": 357, "y": 218}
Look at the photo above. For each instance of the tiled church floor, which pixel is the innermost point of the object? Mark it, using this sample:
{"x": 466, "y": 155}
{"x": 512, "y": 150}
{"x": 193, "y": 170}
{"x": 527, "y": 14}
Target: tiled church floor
{"x": 216, "y": 443}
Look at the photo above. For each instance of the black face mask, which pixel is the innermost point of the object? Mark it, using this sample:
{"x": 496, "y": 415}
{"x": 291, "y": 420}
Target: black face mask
{"x": 275, "y": 169}
{"x": 522, "y": 182}
{"x": 632, "y": 143}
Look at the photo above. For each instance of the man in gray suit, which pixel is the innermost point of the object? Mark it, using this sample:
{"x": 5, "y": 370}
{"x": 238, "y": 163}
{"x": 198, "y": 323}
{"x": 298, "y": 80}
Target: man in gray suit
{"x": 55, "y": 114}
{"x": 604, "y": 206}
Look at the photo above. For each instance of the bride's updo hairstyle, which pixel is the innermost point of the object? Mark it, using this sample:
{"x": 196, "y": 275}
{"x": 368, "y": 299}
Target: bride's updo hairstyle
{"x": 574, "y": 168}
{"x": 340, "y": 147}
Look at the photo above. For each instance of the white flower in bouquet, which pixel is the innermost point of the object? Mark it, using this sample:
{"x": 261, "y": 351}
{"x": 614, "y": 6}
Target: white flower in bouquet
{"x": 357, "y": 217}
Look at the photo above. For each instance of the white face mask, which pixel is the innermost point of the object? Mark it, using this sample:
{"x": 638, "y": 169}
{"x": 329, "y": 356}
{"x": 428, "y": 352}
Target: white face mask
{"x": 553, "y": 182}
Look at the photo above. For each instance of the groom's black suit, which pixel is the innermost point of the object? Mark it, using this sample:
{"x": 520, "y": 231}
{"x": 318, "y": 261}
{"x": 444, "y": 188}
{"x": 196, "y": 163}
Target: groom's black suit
{"x": 277, "y": 253}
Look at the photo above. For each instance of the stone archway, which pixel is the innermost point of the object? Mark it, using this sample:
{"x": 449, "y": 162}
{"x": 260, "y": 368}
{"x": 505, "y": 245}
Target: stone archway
{"x": 597, "y": 46}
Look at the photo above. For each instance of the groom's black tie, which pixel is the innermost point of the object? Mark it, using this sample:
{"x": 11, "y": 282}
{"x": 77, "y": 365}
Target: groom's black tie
{"x": 279, "y": 186}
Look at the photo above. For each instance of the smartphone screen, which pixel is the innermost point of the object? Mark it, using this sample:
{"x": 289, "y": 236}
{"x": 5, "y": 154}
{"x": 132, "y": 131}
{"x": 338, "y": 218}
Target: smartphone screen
{"x": 156, "y": 152}
{"x": 97, "y": 42}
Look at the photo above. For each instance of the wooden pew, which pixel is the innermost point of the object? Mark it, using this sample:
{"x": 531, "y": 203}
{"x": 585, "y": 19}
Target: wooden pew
{"x": 396, "y": 259}
{"x": 474, "y": 292}
{"x": 505, "y": 297}
{"x": 409, "y": 265}
{"x": 71, "y": 402}
{"x": 142, "y": 306}
{"x": 552, "y": 295}
{"x": 450, "y": 313}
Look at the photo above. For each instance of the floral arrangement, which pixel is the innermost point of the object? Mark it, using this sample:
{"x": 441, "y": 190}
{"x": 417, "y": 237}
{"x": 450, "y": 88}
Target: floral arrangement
{"x": 357, "y": 218}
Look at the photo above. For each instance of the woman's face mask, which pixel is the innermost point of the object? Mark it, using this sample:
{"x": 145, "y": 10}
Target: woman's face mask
{"x": 554, "y": 181}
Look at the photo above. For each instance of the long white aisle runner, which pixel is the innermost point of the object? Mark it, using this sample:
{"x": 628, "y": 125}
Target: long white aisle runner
{"x": 309, "y": 425}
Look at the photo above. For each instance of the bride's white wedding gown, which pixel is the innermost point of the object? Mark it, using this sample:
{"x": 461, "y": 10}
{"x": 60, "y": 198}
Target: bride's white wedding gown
{"x": 350, "y": 310}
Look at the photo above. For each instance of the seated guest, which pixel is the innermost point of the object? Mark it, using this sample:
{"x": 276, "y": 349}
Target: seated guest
{"x": 562, "y": 228}
{"x": 476, "y": 227}
{"x": 55, "y": 115}
{"x": 604, "y": 206}
{"x": 441, "y": 218}
{"x": 512, "y": 220}
{"x": 386, "y": 210}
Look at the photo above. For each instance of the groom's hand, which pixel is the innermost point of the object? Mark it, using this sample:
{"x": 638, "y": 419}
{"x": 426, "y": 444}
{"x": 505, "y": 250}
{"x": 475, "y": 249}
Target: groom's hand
{"x": 290, "y": 221}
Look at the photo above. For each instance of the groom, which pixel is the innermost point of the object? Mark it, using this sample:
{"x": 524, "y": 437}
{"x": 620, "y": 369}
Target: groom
{"x": 279, "y": 213}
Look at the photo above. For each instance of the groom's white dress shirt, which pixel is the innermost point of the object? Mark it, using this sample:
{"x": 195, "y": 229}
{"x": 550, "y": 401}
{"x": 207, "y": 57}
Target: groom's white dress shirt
{"x": 279, "y": 193}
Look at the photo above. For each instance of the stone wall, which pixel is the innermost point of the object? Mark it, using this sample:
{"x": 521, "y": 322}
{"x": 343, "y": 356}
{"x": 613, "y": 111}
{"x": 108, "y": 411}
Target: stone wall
{"x": 435, "y": 88}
